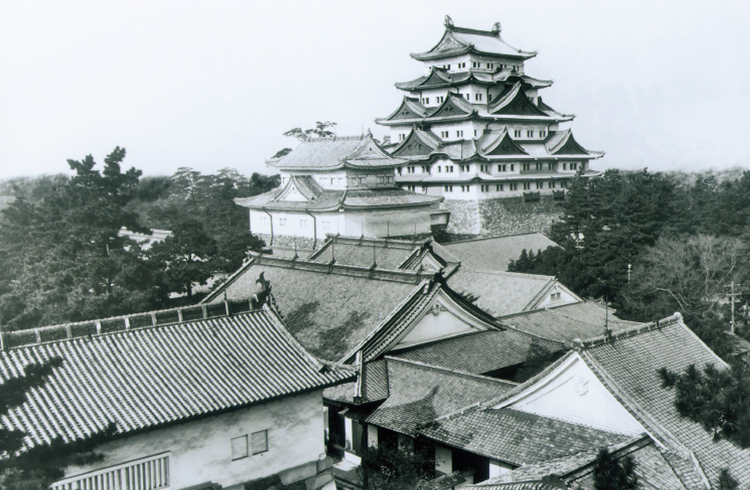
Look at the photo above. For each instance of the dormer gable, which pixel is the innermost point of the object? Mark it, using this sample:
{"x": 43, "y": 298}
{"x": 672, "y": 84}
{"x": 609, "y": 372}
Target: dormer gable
{"x": 516, "y": 103}
{"x": 572, "y": 392}
{"x": 568, "y": 146}
{"x": 503, "y": 145}
{"x": 453, "y": 105}
{"x": 409, "y": 109}
{"x": 299, "y": 188}
{"x": 417, "y": 143}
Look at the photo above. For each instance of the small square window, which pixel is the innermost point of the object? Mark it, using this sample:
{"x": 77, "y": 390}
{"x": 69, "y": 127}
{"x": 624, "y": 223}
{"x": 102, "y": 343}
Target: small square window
{"x": 239, "y": 447}
{"x": 259, "y": 441}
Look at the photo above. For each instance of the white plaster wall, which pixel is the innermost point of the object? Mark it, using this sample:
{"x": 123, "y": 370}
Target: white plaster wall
{"x": 443, "y": 460}
{"x": 573, "y": 393}
{"x": 201, "y": 450}
{"x": 384, "y": 223}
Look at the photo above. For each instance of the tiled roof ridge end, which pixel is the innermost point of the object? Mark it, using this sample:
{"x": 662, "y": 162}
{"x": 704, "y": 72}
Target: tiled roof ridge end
{"x": 627, "y": 332}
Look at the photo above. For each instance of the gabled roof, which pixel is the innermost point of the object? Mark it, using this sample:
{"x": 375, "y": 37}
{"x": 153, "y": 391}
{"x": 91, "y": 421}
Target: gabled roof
{"x": 322, "y": 200}
{"x": 502, "y": 145}
{"x": 453, "y": 109}
{"x": 338, "y": 152}
{"x": 563, "y": 143}
{"x": 480, "y": 352}
{"x": 329, "y": 309}
{"x": 515, "y": 437}
{"x": 501, "y": 293}
{"x": 364, "y": 252}
{"x": 146, "y": 378}
{"x": 409, "y": 109}
{"x": 441, "y": 78}
{"x": 419, "y": 393}
{"x": 458, "y": 40}
{"x": 626, "y": 363}
{"x": 417, "y": 143}
{"x": 495, "y": 253}
{"x": 565, "y": 323}
{"x": 453, "y": 105}
{"x": 515, "y": 102}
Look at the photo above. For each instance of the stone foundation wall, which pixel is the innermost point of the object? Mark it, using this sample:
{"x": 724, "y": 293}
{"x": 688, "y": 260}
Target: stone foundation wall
{"x": 290, "y": 242}
{"x": 464, "y": 217}
{"x": 513, "y": 216}
{"x": 506, "y": 216}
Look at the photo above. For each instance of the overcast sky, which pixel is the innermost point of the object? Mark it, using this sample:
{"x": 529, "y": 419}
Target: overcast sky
{"x": 214, "y": 84}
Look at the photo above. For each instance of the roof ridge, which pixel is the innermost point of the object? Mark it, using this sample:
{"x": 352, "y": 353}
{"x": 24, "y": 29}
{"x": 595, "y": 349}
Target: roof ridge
{"x": 452, "y": 371}
{"x": 335, "y": 138}
{"x": 480, "y": 238}
{"x": 514, "y": 274}
{"x": 626, "y": 332}
{"x": 119, "y": 324}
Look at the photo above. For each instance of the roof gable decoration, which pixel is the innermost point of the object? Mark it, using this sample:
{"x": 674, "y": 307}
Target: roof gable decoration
{"x": 442, "y": 318}
{"x": 569, "y": 146}
{"x": 293, "y": 192}
{"x": 516, "y": 103}
{"x": 416, "y": 143}
{"x": 573, "y": 393}
{"x": 503, "y": 145}
{"x": 409, "y": 109}
{"x": 369, "y": 151}
{"x": 453, "y": 105}
{"x": 555, "y": 294}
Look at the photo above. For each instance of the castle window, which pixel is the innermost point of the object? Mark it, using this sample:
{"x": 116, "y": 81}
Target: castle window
{"x": 499, "y": 187}
{"x": 303, "y": 223}
{"x": 484, "y": 168}
{"x": 517, "y": 133}
{"x": 411, "y": 169}
{"x": 467, "y": 97}
{"x": 443, "y": 134}
{"x": 513, "y": 186}
{"x": 551, "y": 166}
{"x": 239, "y": 447}
{"x": 526, "y": 186}
{"x": 259, "y": 441}
{"x": 475, "y": 133}
{"x": 540, "y": 185}
{"x": 449, "y": 169}
{"x": 459, "y": 133}
{"x": 556, "y": 296}
{"x": 565, "y": 166}
{"x": 573, "y": 166}
{"x": 512, "y": 167}
{"x": 542, "y": 134}
{"x": 489, "y": 97}
{"x": 440, "y": 99}
{"x": 282, "y": 221}
{"x": 425, "y": 169}
{"x": 440, "y": 169}
{"x": 530, "y": 134}
{"x": 401, "y": 137}
{"x": 474, "y": 64}
{"x": 424, "y": 189}
{"x": 477, "y": 96}
{"x": 501, "y": 168}
{"x": 489, "y": 66}
{"x": 465, "y": 188}
{"x": 381, "y": 179}
{"x": 525, "y": 166}
{"x": 465, "y": 168}
{"x": 538, "y": 166}
{"x": 411, "y": 187}
{"x": 485, "y": 188}
{"x": 551, "y": 184}
{"x": 448, "y": 188}
{"x": 362, "y": 179}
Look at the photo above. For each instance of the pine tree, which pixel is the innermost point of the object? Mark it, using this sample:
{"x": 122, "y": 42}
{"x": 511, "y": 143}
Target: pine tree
{"x": 611, "y": 473}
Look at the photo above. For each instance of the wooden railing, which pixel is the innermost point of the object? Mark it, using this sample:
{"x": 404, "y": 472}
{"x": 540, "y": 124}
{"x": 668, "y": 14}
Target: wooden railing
{"x": 150, "y": 473}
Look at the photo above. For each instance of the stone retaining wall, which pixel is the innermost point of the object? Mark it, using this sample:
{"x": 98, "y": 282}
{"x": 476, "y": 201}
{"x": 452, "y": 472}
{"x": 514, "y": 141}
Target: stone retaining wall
{"x": 507, "y": 216}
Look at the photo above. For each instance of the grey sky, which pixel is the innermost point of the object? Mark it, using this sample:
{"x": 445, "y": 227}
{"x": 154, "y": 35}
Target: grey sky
{"x": 214, "y": 84}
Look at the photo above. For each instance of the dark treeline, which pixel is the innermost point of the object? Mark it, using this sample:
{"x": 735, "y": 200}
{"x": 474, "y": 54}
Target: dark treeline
{"x": 61, "y": 259}
{"x": 685, "y": 243}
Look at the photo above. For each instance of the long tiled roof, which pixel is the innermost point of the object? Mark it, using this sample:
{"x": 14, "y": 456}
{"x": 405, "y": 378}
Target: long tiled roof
{"x": 567, "y": 322}
{"x": 516, "y": 437}
{"x": 500, "y": 293}
{"x": 386, "y": 253}
{"x": 458, "y": 40}
{"x": 330, "y": 309}
{"x": 322, "y": 200}
{"x": 441, "y": 78}
{"x": 480, "y": 352}
{"x": 628, "y": 363}
{"x": 418, "y": 393}
{"x": 144, "y": 378}
{"x": 495, "y": 253}
{"x": 338, "y": 152}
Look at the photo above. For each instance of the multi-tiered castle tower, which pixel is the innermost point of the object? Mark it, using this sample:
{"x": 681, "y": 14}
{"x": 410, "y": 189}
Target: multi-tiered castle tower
{"x": 475, "y": 130}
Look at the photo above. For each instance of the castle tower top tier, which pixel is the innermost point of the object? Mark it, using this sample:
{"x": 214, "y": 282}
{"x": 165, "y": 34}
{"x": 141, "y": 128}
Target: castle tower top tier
{"x": 461, "y": 49}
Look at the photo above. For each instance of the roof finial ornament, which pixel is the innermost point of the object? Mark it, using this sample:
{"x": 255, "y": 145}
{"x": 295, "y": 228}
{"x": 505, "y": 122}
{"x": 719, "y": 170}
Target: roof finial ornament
{"x": 448, "y": 22}
{"x": 497, "y": 29}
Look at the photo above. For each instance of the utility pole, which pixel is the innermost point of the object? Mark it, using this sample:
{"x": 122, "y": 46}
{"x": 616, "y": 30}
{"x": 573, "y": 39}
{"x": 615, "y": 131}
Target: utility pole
{"x": 735, "y": 290}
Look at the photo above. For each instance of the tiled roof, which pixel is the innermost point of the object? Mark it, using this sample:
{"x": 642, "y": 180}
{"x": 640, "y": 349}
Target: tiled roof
{"x": 441, "y": 78}
{"x": 563, "y": 143}
{"x": 516, "y": 437}
{"x": 567, "y": 322}
{"x": 418, "y": 393}
{"x": 628, "y": 363}
{"x": 653, "y": 470}
{"x": 499, "y": 293}
{"x": 147, "y": 377}
{"x": 337, "y": 152}
{"x": 320, "y": 199}
{"x": 386, "y": 253}
{"x": 372, "y": 382}
{"x": 496, "y": 253}
{"x": 459, "y": 40}
{"x": 480, "y": 352}
{"x": 330, "y": 309}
